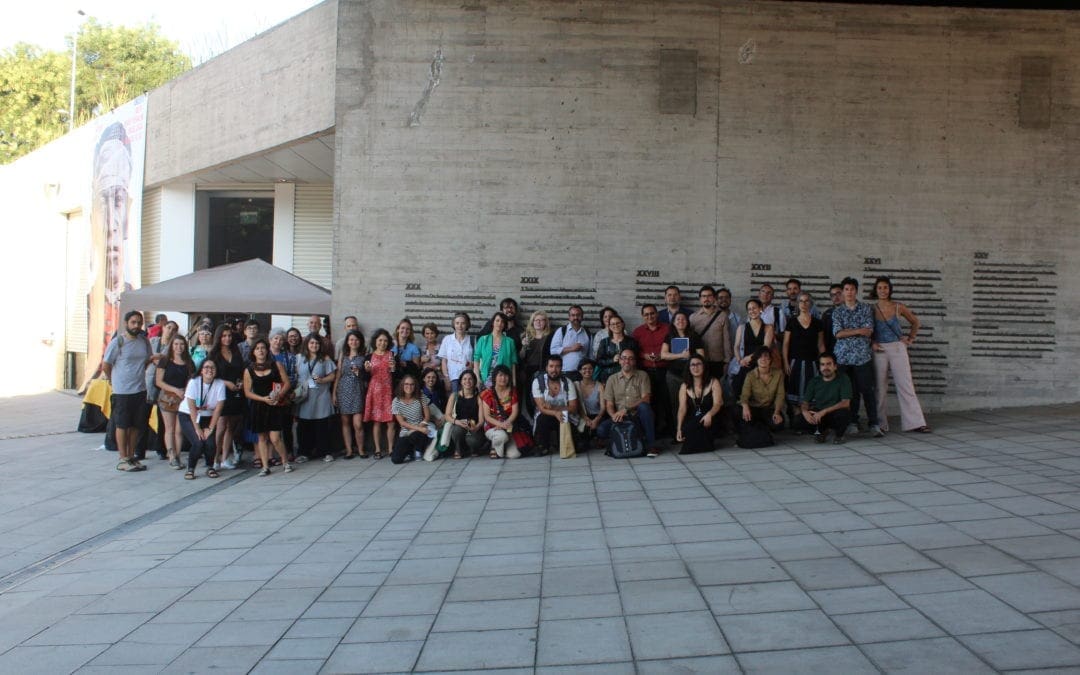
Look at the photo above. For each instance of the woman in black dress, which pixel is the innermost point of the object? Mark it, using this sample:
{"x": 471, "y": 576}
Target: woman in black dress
{"x": 267, "y": 386}
{"x": 230, "y": 369}
{"x": 171, "y": 378}
{"x": 749, "y": 338}
{"x": 804, "y": 340}
{"x": 700, "y": 401}
{"x": 463, "y": 413}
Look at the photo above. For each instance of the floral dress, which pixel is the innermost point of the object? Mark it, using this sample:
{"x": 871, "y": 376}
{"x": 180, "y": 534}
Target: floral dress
{"x": 380, "y": 391}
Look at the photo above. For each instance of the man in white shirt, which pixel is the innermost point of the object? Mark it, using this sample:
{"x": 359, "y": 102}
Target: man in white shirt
{"x": 571, "y": 342}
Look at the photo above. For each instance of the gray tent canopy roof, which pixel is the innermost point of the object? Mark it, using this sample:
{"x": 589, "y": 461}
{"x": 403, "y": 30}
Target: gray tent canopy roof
{"x": 252, "y": 286}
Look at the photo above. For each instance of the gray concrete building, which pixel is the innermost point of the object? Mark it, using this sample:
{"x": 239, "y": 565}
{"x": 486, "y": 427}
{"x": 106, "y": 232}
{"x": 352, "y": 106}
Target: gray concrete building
{"x": 429, "y": 156}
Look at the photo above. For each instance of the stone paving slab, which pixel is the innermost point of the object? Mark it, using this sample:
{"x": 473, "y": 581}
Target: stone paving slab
{"x": 952, "y": 552}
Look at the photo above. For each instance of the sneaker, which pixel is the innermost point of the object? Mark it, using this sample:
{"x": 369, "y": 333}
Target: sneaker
{"x": 217, "y": 466}
{"x": 288, "y": 468}
{"x": 653, "y": 452}
{"x": 265, "y": 471}
{"x": 161, "y": 454}
{"x": 174, "y": 463}
{"x": 876, "y": 431}
{"x": 819, "y": 437}
{"x": 417, "y": 455}
{"x": 228, "y": 464}
{"x": 300, "y": 459}
{"x": 237, "y": 457}
{"x": 328, "y": 458}
{"x": 852, "y": 428}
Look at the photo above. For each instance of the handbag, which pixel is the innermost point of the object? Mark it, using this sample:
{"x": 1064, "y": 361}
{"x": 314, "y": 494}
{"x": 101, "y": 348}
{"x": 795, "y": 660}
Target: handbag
{"x": 566, "y": 441}
{"x": 168, "y": 401}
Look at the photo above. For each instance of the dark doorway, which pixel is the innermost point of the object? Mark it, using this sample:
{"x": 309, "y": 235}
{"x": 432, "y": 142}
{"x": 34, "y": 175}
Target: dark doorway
{"x": 241, "y": 228}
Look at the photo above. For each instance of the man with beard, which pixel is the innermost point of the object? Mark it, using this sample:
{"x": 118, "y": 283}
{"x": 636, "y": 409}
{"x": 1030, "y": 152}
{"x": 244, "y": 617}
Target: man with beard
{"x": 711, "y": 324}
{"x": 509, "y": 307}
{"x": 826, "y": 404}
{"x": 723, "y": 301}
{"x": 571, "y": 342}
{"x": 124, "y": 365}
{"x": 792, "y": 288}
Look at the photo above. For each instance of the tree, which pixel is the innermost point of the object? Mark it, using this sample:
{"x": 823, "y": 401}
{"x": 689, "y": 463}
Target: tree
{"x": 115, "y": 64}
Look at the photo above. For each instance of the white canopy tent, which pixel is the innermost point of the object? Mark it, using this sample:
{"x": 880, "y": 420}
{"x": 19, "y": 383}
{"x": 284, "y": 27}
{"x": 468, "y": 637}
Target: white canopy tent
{"x": 252, "y": 286}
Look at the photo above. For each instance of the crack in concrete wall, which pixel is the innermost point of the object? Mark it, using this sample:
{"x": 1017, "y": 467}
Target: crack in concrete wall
{"x": 433, "y": 81}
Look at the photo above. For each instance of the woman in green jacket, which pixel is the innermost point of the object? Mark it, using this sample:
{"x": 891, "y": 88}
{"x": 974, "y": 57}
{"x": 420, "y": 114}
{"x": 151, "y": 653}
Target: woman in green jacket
{"x": 495, "y": 349}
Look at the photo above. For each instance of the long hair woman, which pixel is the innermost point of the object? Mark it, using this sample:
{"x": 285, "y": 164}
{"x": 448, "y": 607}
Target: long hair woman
{"x": 349, "y": 392}
{"x": 230, "y": 366}
{"x": 891, "y": 344}
{"x": 266, "y": 385}
{"x": 203, "y": 400}
{"x": 700, "y": 402}
{"x": 378, "y": 400}
{"x": 463, "y": 413}
{"x": 171, "y": 379}
{"x": 410, "y": 407}
{"x": 316, "y": 371}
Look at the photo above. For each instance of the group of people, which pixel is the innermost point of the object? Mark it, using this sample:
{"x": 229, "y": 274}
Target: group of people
{"x": 513, "y": 389}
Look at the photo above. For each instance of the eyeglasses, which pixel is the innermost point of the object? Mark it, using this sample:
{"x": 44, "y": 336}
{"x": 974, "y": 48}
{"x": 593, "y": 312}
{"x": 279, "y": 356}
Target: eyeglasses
{"x": 648, "y": 314}
{"x": 697, "y": 365}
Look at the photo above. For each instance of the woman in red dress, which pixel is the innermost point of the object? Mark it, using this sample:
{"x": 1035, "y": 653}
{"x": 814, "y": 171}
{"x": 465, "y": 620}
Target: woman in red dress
{"x": 380, "y": 392}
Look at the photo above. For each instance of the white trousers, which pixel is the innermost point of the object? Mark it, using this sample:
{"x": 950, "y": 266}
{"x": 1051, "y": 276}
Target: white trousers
{"x": 894, "y": 357}
{"x": 502, "y": 444}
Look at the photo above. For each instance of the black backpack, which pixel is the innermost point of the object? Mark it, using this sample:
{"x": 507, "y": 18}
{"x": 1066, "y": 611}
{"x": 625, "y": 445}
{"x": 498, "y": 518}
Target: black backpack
{"x": 626, "y": 441}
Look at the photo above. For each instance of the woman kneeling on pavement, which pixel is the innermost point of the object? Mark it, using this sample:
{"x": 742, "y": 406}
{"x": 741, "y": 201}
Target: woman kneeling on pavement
{"x": 199, "y": 416}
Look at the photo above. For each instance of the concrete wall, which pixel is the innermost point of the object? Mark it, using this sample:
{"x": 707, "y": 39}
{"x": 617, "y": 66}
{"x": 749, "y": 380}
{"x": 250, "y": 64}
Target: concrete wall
{"x": 268, "y": 91}
{"x": 597, "y": 151}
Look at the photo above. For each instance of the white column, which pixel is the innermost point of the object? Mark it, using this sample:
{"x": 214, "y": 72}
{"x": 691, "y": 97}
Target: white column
{"x": 177, "y": 255}
{"x": 284, "y": 230}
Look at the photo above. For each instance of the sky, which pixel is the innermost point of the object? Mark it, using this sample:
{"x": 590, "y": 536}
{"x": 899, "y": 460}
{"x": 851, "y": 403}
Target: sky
{"x": 204, "y": 28}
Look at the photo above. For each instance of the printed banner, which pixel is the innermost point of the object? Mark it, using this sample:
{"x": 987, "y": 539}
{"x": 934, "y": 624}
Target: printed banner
{"x": 118, "y": 156}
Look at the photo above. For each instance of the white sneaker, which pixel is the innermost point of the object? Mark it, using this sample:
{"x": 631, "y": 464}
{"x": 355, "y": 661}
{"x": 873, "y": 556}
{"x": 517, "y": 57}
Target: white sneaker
{"x": 288, "y": 468}
{"x": 236, "y": 457}
{"x": 876, "y": 431}
{"x": 228, "y": 464}
{"x": 328, "y": 458}
{"x": 852, "y": 429}
{"x": 217, "y": 466}
{"x": 300, "y": 459}
{"x": 417, "y": 455}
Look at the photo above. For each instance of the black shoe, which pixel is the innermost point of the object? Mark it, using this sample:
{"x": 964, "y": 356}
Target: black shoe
{"x": 161, "y": 454}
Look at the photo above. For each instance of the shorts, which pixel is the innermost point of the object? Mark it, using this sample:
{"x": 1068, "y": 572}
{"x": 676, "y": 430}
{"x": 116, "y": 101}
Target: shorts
{"x": 128, "y": 410}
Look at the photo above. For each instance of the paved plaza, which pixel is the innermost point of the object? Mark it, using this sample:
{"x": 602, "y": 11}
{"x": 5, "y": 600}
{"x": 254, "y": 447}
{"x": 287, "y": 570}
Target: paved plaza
{"x": 952, "y": 552}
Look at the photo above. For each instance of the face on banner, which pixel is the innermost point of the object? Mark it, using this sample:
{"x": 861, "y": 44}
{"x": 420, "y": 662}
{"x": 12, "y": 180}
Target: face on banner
{"x": 115, "y": 210}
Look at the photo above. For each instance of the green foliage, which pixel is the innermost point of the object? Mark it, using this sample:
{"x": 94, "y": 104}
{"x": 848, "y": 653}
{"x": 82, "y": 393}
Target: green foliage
{"x": 115, "y": 64}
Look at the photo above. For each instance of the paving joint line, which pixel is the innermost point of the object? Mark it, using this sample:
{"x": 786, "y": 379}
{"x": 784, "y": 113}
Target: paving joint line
{"x": 51, "y": 562}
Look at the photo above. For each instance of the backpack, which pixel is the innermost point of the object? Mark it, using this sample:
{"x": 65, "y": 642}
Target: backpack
{"x": 626, "y": 441}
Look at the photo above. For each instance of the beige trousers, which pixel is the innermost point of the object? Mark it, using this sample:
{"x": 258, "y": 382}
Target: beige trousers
{"x": 894, "y": 357}
{"x": 502, "y": 444}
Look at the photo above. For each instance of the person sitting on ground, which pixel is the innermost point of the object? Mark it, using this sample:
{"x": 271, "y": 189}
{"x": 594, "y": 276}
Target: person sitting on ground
{"x": 700, "y": 402}
{"x": 628, "y": 396}
{"x": 410, "y": 408}
{"x": 762, "y": 398}
{"x": 204, "y": 397}
{"x": 591, "y": 405}
{"x": 499, "y": 407}
{"x": 432, "y": 387}
{"x": 826, "y": 404}
{"x": 463, "y": 413}
{"x": 555, "y": 398}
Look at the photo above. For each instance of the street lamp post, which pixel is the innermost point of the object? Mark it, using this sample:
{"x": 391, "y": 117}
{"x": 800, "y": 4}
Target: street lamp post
{"x": 74, "y": 55}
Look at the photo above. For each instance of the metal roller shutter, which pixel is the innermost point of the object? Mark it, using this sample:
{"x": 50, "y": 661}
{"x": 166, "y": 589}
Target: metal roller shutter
{"x": 313, "y": 237}
{"x": 151, "y": 236}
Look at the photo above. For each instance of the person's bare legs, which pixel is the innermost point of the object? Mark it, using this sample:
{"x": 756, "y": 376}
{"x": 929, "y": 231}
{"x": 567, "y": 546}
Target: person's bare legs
{"x": 358, "y": 431}
{"x": 262, "y": 451}
{"x": 173, "y": 439}
{"x": 346, "y": 434}
{"x": 279, "y": 448}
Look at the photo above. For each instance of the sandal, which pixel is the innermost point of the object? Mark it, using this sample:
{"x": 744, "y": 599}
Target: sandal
{"x": 257, "y": 464}
{"x": 378, "y": 454}
{"x": 363, "y": 455}
{"x": 189, "y": 475}
{"x": 493, "y": 455}
{"x": 212, "y": 473}
{"x": 923, "y": 430}
{"x": 457, "y": 454}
